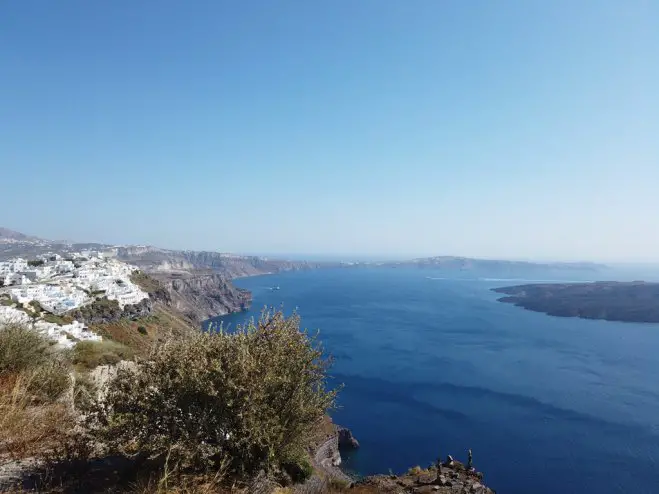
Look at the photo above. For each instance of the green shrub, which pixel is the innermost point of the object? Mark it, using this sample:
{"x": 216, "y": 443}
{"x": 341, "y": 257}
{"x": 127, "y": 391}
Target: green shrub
{"x": 248, "y": 400}
{"x": 55, "y": 319}
{"x": 91, "y": 354}
{"x": 141, "y": 330}
{"x": 298, "y": 467}
{"x": 21, "y": 348}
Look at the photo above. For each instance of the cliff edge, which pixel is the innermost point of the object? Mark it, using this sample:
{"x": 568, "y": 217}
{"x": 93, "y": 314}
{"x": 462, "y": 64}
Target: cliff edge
{"x": 200, "y": 296}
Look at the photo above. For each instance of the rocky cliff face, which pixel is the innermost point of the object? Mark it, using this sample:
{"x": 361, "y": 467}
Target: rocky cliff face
{"x": 196, "y": 296}
{"x": 451, "y": 477}
{"x": 204, "y": 295}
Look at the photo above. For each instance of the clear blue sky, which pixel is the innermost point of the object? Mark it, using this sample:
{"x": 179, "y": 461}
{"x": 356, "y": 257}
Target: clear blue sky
{"x": 513, "y": 129}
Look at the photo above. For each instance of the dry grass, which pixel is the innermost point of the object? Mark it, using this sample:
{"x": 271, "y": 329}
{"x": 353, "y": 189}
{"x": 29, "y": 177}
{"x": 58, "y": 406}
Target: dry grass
{"x": 145, "y": 282}
{"x": 184, "y": 486}
{"x": 142, "y": 334}
{"x": 33, "y": 379}
{"x": 28, "y": 426}
{"x": 329, "y": 486}
{"x": 91, "y": 354}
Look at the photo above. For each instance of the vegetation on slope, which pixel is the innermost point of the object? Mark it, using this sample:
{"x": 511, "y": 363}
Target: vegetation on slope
{"x": 219, "y": 412}
{"x": 33, "y": 379}
{"x": 142, "y": 334}
{"x": 238, "y": 403}
{"x": 224, "y": 408}
{"x": 146, "y": 282}
{"x": 91, "y": 354}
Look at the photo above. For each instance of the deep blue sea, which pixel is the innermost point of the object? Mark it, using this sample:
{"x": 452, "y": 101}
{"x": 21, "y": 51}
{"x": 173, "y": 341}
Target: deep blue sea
{"x": 433, "y": 364}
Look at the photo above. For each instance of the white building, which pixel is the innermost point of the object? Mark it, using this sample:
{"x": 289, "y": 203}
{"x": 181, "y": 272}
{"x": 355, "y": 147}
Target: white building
{"x": 13, "y": 266}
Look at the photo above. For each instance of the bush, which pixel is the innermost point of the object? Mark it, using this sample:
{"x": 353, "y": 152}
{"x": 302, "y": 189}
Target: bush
{"x": 85, "y": 391}
{"x": 36, "y": 305}
{"x": 298, "y": 467}
{"x": 91, "y": 354}
{"x": 246, "y": 401}
{"x": 49, "y": 381}
{"x": 55, "y": 319}
{"x": 21, "y": 348}
{"x": 141, "y": 330}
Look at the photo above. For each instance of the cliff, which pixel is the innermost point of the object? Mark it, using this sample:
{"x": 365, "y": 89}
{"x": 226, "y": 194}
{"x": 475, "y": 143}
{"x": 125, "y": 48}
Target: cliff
{"x": 155, "y": 260}
{"x": 203, "y": 295}
{"x": 610, "y": 300}
{"x": 453, "y": 478}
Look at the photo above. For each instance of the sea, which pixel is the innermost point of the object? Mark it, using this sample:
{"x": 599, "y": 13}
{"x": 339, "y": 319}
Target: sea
{"x": 432, "y": 364}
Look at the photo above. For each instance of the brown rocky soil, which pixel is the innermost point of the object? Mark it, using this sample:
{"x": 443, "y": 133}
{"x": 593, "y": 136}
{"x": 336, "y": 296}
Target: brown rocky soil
{"x": 454, "y": 479}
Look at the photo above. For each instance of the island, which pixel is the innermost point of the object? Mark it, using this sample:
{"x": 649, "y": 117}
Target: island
{"x": 636, "y": 301}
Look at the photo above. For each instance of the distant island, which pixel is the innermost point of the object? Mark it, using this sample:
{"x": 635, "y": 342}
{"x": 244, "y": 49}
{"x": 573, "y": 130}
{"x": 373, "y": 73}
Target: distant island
{"x": 636, "y": 301}
{"x": 500, "y": 266}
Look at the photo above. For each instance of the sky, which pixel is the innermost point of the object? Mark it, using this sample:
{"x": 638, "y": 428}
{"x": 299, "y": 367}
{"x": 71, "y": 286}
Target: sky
{"x": 513, "y": 129}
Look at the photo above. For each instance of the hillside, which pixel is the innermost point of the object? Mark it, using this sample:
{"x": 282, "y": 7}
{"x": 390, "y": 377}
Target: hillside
{"x": 609, "y": 300}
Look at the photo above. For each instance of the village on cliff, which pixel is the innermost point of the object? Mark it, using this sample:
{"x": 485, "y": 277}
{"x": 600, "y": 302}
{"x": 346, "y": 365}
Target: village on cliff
{"x": 52, "y": 285}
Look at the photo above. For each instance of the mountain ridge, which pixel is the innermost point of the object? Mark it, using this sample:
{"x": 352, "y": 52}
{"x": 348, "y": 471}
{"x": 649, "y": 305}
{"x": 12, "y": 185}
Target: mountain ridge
{"x": 156, "y": 259}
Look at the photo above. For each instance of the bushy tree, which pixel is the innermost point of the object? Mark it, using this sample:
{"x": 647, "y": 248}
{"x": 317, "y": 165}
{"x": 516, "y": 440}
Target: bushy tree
{"x": 21, "y": 349}
{"x": 246, "y": 400}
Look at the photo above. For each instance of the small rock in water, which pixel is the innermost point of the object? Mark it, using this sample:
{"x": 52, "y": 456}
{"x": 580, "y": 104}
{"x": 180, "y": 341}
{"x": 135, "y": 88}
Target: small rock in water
{"x": 346, "y": 439}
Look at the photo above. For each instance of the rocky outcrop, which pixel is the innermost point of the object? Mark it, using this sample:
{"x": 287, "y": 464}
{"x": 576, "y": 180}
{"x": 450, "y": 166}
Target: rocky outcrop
{"x": 205, "y": 295}
{"x": 327, "y": 452}
{"x": 453, "y": 478}
{"x": 346, "y": 440}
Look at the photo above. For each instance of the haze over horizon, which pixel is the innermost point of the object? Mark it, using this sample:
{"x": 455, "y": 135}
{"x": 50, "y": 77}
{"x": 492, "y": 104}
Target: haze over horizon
{"x": 512, "y": 130}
